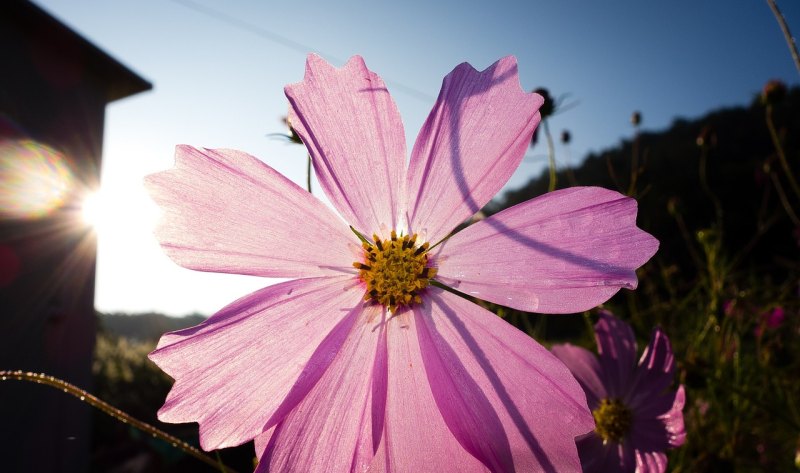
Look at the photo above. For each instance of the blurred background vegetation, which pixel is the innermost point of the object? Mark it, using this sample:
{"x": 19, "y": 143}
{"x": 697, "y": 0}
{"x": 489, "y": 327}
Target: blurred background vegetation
{"x": 718, "y": 192}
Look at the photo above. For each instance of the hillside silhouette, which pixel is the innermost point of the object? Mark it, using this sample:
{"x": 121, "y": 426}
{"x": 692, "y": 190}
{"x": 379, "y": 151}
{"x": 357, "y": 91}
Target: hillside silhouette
{"x": 145, "y": 326}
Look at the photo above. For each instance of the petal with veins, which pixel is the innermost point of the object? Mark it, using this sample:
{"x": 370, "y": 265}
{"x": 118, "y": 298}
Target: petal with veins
{"x": 276, "y": 342}
{"x": 471, "y": 143}
{"x": 226, "y": 211}
{"x": 566, "y": 251}
{"x": 507, "y": 400}
{"x": 354, "y": 133}
{"x": 338, "y": 426}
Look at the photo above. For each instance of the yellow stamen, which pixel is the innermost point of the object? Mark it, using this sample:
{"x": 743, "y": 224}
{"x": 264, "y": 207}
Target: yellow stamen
{"x": 613, "y": 420}
{"x": 395, "y": 270}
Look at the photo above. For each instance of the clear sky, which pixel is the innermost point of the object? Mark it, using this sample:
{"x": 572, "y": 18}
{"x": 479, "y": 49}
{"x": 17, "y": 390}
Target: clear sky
{"x": 219, "y": 68}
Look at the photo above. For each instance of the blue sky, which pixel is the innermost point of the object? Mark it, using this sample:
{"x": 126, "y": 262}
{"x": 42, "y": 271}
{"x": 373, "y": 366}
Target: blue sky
{"x": 218, "y": 82}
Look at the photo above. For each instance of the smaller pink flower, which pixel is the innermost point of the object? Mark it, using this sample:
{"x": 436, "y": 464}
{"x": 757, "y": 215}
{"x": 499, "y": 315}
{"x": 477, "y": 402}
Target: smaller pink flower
{"x": 770, "y": 320}
{"x": 774, "y": 318}
{"x": 636, "y": 417}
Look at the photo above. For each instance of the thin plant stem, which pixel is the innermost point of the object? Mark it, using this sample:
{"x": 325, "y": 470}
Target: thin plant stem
{"x": 707, "y": 188}
{"x": 634, "y": 164}
{"x": 570, "y": 173}
{"x": 784, "y": 201}
{"x": 308, "y": 174}
{"x": 779, "y": 150}
{"x": 220, "y": 465}
{"x": 94, "y": 401}
{"x": 611, "y": 172}
{"x": 786, "y": 34}
{"x": 551, "y": 157}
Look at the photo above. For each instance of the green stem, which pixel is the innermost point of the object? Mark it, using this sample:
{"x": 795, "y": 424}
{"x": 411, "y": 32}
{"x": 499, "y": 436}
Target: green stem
{"x": 786, "y": 34}
{"x": 551, "y": 156}
{"x": 781, "y": 155}
{"x": 634, "y": 164}
{"x": 94, "y": 401}
{"x": 308, "y": 174}
{"x": 707, "y": 188}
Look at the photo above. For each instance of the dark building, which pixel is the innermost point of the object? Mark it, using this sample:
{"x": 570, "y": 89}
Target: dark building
{"x": 54, "y": 87}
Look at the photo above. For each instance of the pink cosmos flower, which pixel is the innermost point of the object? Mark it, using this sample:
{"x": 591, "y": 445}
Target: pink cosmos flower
{"x": 365, "y": 361}
{"x": 637, "y": 418}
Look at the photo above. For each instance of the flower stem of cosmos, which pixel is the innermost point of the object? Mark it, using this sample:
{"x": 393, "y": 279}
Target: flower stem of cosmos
{"x": 308, "y": 175}
{"x": 779, "y": 150}
{"x": 707, "y": 188}
{"x": 94, "y": 401}
{"x": 634, "y": 162}
{"x": 551, "y": 156}
{"x": 786, "y": 34}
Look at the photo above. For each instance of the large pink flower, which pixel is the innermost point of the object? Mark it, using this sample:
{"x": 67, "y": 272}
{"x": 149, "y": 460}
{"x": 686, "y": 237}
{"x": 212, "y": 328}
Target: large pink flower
{"x": 638, "y": 419}
{"x": 366, "y": 361}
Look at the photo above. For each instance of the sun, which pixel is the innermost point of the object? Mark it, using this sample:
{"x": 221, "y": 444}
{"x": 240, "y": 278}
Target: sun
{"x": 117, "y": 213}
{"x": 92, "y": 211}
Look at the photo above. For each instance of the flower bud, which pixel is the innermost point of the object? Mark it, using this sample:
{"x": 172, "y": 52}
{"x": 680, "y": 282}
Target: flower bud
{"x": 293, "y": 136}
{"x": 773, "y": 92}
{"x": 549, "y": 106}
{"x": 707, "y": 138}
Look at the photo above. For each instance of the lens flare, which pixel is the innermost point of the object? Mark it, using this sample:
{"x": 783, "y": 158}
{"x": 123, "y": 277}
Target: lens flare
{"x": 92, "y": 209}
{"x": 34, "y": 179}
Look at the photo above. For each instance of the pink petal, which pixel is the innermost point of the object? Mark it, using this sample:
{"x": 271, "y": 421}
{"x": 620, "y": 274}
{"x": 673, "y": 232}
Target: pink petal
{"x": 673, "y": 420}
{"x": 597, "y": 457}
{"x": 241, "y": 371}
{"x": 655, "y": 372}
{"x": 616, "y": 347}
{"x": 415, "y": 438}
{"x": 226, "y": 211}
{"x": 587, "y": 370}
{"x": 665, "y": 429}
{"x": 352, "y": 129}
{"x": 261, "y": 441}
{"x": 566, "y": 251}
{"x": 506, "y": 399}
{"x": 651, "y": 462}
{"x": 471, "y": 143}
{"x": 338, "y": 426}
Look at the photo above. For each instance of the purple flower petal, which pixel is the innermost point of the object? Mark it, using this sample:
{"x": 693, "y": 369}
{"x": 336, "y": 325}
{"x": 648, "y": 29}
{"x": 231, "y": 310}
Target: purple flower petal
{"x": 597, "y": 457}
{"x": 354, "y": 133}
{"x": 505, "y": 398}
{"x": 471, "y": 143}
{"x": 276, "y": 342}
{"x": 587, "y": 370}
{"x": 616, "y": 349}
{"x": 650, "y": 462}
{"x": 673, "y": 420}
{"x": 226, "y": 211}
{"x": 655, "y": 372}
{"x": 338, "y": 426}
{"x": 261, "y": 441}
{"x": 563, "y": 252}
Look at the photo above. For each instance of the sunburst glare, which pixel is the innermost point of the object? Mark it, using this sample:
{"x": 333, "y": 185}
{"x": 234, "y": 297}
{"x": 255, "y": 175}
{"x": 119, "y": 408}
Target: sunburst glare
{"x": 35, "y": 179}
{"x": 118, "y": 213}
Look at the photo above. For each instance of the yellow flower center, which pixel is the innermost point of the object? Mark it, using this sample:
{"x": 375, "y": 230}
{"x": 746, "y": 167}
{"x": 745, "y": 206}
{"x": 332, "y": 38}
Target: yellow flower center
{"x": 395, "y": 270}
{"x": 613, "y": 420}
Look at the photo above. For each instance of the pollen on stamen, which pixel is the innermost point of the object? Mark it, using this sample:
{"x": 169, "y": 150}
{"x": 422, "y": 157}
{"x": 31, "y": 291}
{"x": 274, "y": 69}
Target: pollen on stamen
{"x": 395, "y": 270}
{"x": 613, "y": 420}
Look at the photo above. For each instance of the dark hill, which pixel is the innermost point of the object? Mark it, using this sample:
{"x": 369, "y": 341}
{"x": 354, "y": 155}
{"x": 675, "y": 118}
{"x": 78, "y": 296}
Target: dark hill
{"x": 144, "y": 327}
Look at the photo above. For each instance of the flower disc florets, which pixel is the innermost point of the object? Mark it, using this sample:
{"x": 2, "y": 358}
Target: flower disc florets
{"x": 395, "y": 270}
{"x": 613, "y": 420}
